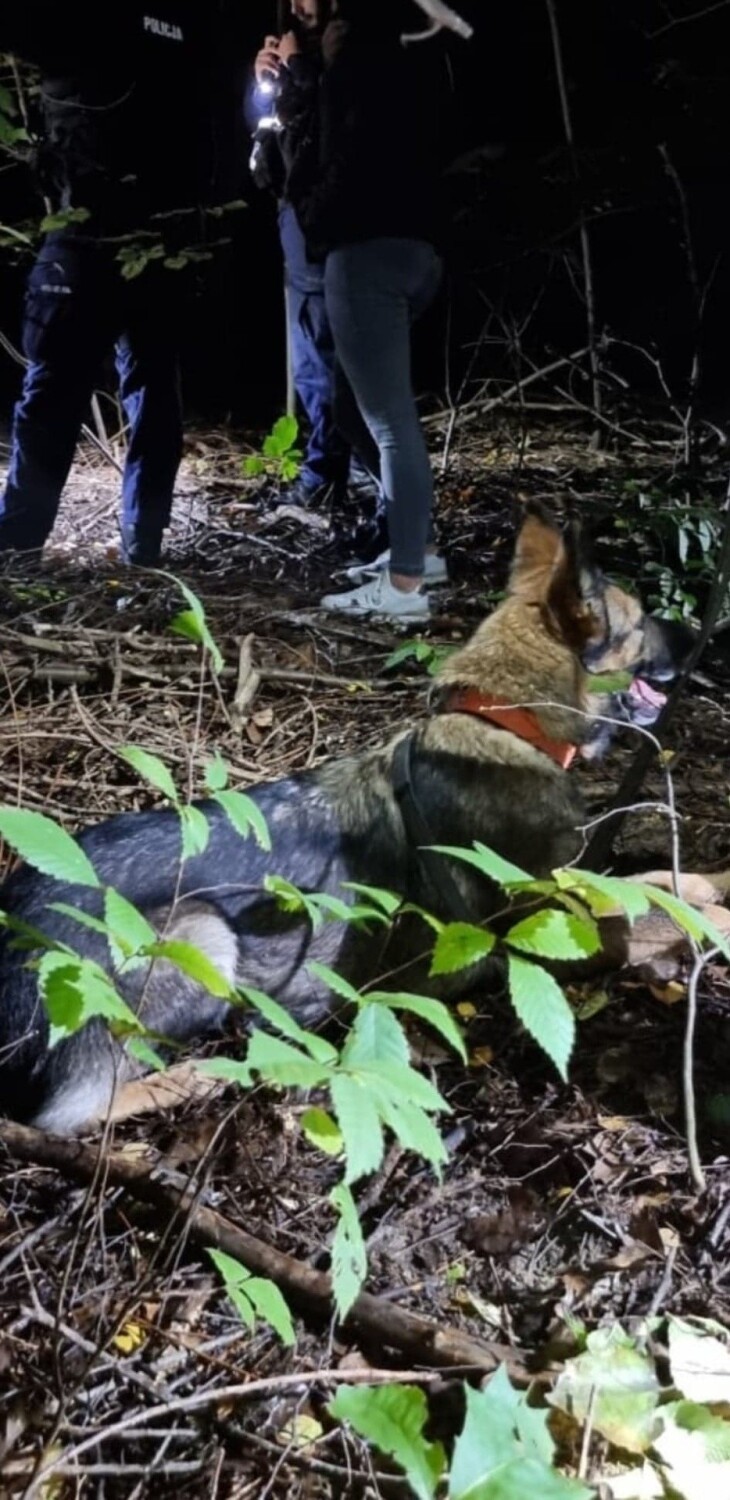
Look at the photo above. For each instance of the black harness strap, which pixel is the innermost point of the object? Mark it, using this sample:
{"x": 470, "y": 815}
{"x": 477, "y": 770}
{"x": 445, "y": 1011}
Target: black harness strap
{"x": 419, "y": 836}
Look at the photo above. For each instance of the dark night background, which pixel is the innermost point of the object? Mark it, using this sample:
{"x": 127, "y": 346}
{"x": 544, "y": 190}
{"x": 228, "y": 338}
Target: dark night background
{"x": 641, "y": 75}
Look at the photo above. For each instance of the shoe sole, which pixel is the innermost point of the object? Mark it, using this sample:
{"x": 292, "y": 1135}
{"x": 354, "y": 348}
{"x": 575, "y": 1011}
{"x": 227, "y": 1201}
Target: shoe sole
{"x": 366, "y": 572}
{"x": 374, "y": 614}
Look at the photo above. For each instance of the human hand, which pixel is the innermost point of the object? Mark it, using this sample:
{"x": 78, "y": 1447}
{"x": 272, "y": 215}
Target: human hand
{"x": 288, "y": 47}
{"x": 267, "y": 64}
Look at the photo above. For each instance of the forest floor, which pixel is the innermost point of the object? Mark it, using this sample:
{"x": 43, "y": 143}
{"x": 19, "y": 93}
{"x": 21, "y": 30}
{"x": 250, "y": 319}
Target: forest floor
{"x": 558, "y": 1202}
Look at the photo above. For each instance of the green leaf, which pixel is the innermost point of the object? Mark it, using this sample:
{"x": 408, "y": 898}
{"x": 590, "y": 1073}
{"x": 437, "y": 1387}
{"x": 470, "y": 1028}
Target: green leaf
{"x": 411, "y": 1126}
{"x": 359, "y": 1122}
{"x": 151, "y": 769}
{"x": 555, "y": 934}
{"x": 500, "y": 1430}
{"x": 321, "y": 1050}
{"x": 282, "y": 437}
{"x": 84, "y": 919}
{"x": 543, "y": 1010}
{"x": 488, "y": 862}
{"x": 393, "y": 1417}
{"x": 688, "y": 918}
{"x": 376, "y": 1036}
{"x": 617, "y": 1384}
{"x": 129, "y": 933}
{"x": 336, "y": 983}
{"x": 609, "y": 682}
{"x": 76, "y": 989}
{"x": 140, "y": 1049}
{"x": 459, "y": 945}
{"x": 611, "y": 891}
{"x": 195, "y": 624}
{"x": 409, "y": 651}
{"x": 245, "y": 816}
{"x": 195, "y": 963}
{"x": 322, "y": 1131}
{"x": 195, "y": 831}
{"x": 290, "y": 899}
{"x": 349, "y": 1256}
{"x": 252, "y": 1295}
{"x": 216, "y": 774}
{"x": 253, "y": 466}
{"x": 527, "y": 1479}
{"x": 228, "y": 1070}
{"x": 384, "y": 899}
{"x": 434, "y": 1012}
{"x": 280, "y": 1063}
{"x": 45, "y": 846}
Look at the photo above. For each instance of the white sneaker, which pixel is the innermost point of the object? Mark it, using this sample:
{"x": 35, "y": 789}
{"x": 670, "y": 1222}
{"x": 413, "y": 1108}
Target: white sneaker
{"x": 378, "y": 597}
{"x": 434, "y": 569}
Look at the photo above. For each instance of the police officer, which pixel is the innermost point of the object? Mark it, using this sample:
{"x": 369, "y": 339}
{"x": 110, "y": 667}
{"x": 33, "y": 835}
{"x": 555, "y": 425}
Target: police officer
{"x": 139, "y": 140}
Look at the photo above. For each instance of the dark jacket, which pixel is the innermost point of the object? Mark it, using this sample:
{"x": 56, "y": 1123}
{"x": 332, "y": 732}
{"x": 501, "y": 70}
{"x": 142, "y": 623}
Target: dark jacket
{"x": 139, "y": 105}
{"x": 374, "y": 167}
{"x": 293, "y": 104}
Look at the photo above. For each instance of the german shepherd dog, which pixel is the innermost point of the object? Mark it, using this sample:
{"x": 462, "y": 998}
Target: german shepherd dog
{"x": 508, "y": 713}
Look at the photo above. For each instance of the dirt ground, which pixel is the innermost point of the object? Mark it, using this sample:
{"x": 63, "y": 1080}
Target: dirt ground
{"x": 557, "y": 1203}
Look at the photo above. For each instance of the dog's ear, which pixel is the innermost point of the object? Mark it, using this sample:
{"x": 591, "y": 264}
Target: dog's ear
{"x": 568, "y": 612}
{"x": 538, "y": 551}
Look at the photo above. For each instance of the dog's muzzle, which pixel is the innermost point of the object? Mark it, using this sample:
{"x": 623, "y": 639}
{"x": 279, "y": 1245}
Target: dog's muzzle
{"x": 641, "y": 703}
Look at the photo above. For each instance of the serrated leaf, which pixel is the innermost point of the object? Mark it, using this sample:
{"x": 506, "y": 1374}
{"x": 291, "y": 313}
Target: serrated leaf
{"x": 555, "y": 934}
{"x": 195, "y": 831}
{"x": 413, "y": 1128}
{"x": 384, "y": 899}
{"x": 41, "y": 843}
{"x": 140, "y": 1049}
{"x": 192, "y": 961}
{"x": 280, "y": 1063}
{"x": 245, "y": 816}
{"x": 75, "y": 914}
{"x": 253, "y": 466}
{"x": 254, "y": 1295}
{"x": 290, "y": 899}
{"x": 528, "y": 1479}
{"x": 689, "y": 918}
{"x": 322, "y": 1131}
{"x": 617, "y": 1383}
{"x": 624, "y": 894}
{"x": 405, "y": 1083}
{"x": 336, "y": 983}
{"x": 322, "y": 1051}
{"x": 75, "y": 990}
{"x": 359, "y": 1122}
{"x": 488, "y": 862}
{"x": 128, "y": 930}
{"x": 458, "y": 945}
{"x": 393, "y": 1417}
{"x": 216, "y": 774}
{"x": 227, "y": 1070}
{"x": 151, "y": 769}
{"x": 543, "y": 1010}
{"x": 349, "y": 1256}
{"x": 434, "y": 1012}
{"x": 376, "y": 1036}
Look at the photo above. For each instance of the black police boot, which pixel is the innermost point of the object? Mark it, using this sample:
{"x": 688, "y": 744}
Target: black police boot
{"x": 141, "y": 547}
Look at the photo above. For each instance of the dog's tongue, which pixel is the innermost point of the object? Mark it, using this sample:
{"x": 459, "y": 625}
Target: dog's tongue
{"x": 646, "y": 694}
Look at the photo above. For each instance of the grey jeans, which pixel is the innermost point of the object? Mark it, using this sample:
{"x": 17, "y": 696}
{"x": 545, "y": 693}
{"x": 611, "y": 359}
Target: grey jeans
{"x": 373, "y": 292}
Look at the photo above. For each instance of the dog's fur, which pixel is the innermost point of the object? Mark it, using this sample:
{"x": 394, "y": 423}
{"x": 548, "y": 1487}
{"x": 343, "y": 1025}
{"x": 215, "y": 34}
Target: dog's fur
{"x": 341, "y": 822}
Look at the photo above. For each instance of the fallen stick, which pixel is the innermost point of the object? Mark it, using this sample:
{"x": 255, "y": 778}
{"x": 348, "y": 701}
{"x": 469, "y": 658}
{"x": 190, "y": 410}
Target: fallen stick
{"x": 372, "y": 1317}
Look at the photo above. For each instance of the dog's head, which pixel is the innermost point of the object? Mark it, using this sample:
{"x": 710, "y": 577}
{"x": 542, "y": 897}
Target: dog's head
{"x": 604, "y": 626}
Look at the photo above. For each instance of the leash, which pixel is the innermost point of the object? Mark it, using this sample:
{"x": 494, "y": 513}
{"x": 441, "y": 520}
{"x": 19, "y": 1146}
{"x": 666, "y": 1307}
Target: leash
{"x": 420, "y": 835}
